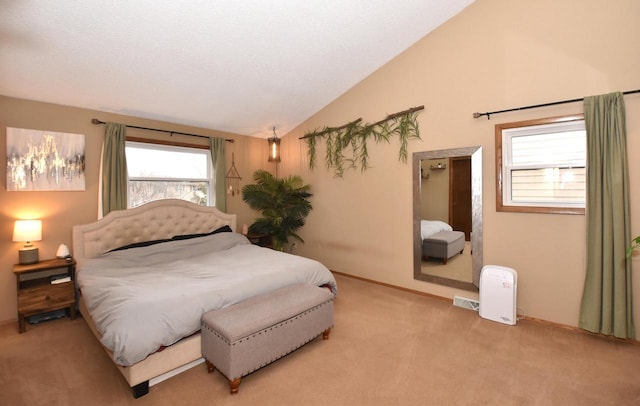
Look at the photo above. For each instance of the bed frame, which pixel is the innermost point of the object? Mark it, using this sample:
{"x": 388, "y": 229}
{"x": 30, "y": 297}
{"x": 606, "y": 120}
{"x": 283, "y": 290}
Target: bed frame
{"x": 152, "y": 221}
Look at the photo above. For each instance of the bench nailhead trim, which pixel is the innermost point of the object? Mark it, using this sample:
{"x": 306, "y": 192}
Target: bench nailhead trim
{"x": 257, "y": 333}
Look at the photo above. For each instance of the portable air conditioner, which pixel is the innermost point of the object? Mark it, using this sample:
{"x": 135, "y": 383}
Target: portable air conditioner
{"x": 498, "y": 289}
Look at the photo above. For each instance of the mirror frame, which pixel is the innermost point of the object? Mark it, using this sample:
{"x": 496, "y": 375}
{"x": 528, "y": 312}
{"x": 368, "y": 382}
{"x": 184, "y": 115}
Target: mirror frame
{"x": 476, "y": 215}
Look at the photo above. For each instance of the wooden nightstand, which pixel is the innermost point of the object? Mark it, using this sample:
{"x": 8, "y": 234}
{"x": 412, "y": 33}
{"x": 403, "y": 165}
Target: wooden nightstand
{"x": 36, "y": 294}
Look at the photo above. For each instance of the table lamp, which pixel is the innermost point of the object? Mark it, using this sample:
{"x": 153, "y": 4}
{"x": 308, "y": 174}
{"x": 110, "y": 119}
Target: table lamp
{"x": 27, "y": 231}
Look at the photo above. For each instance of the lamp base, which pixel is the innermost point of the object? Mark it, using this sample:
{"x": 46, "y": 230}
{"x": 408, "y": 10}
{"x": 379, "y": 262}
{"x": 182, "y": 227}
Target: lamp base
{"x": 28, "y": 256}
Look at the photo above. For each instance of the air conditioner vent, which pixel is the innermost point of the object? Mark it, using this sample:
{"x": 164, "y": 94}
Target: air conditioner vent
{"x": 470, "y": 304}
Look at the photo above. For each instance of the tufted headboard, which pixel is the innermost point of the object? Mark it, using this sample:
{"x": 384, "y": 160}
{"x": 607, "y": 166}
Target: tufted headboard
{"x": 152, "y": 221}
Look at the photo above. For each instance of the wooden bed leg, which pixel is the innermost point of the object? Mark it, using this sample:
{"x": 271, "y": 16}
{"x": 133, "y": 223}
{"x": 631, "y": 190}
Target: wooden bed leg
{"x": 22, "y": 325}
{"x": 325, "y": 334}
{"x": 210, "y": 366}
{"x": 233, "y": 386}
{"x": 444, "y": 261}
{"x": 140, "y": 389}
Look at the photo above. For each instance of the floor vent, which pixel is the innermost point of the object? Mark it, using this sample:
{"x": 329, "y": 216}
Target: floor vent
{"x": 466, "y": 303}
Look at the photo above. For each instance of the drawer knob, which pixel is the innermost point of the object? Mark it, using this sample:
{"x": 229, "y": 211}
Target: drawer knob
{"x": 47, "y": 297}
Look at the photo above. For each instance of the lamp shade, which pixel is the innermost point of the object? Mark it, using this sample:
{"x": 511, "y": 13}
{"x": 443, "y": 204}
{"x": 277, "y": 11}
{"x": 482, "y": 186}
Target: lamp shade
{"x": 27, "y": 230}
{"x": 274, "y": 147}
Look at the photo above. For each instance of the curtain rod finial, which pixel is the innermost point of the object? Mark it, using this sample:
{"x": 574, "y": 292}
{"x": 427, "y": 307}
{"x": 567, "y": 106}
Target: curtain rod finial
{"x": 478, "y": 115}
{"x": 96, "y": 121}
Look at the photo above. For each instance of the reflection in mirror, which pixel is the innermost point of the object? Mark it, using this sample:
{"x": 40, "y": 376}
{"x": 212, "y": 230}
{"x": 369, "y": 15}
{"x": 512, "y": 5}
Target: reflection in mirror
{"x": 447, "y": 217}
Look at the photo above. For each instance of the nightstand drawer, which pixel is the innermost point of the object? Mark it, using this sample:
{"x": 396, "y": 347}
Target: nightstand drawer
{"x": 45, "y": 298}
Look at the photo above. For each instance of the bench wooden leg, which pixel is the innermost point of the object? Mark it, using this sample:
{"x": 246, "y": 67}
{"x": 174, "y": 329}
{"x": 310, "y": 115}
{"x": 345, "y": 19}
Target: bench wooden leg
{"x": 325, "y": 334}
{"x": 233, "y": 386}
{"x": 210, "y": 366}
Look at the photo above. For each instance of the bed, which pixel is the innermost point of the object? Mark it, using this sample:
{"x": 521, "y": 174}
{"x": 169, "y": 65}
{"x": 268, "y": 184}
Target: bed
{"x": 430, "y": 227}
{"x": 146, "y": 275}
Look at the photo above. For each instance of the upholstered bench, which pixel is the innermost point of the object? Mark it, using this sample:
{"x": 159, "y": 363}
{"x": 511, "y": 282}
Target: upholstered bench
{"x": 443, "y": 245}
{"x": 242, "y": 338}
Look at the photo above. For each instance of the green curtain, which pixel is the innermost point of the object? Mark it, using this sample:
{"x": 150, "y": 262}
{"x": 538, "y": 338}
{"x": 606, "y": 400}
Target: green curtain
{"x": 607, "y": 297}
{"x": 216, "y": 145}
{"x": 114, "y": 168}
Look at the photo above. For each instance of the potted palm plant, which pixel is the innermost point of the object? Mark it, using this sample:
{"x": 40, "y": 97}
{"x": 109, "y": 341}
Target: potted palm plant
{"x": 283, "y": 203}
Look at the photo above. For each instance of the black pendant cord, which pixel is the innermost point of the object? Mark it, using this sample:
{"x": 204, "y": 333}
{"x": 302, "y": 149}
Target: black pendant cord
{"x": 488, "y": 114}
{"x": 96, "y": 121}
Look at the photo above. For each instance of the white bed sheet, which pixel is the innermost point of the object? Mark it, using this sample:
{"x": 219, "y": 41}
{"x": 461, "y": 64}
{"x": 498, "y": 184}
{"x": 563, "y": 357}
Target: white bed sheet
{"x": 144, "y": 298}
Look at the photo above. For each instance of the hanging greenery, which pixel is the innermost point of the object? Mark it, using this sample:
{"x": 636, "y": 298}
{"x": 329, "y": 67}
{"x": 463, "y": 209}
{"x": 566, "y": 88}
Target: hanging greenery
{"x": 346, "y": 146}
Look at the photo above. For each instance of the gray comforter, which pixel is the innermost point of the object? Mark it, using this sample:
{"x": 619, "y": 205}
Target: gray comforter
{"x": 144, "y": 298}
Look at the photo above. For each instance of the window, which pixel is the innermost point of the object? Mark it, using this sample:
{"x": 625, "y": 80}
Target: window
{"x": 168, "y": 172}
{"x": 541, "y": 165}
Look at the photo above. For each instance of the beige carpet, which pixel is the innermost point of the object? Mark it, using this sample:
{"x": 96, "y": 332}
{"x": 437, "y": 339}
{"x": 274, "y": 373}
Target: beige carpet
{"x": 457, "y": 267}
{"x": 388, "y": 347}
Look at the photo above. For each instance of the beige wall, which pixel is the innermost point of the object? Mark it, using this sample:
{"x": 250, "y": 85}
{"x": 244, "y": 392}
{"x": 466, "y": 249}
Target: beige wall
{"x": 61, "y": 210}
{"x": 434, "y": 190}
{"x": 496, "y": 54}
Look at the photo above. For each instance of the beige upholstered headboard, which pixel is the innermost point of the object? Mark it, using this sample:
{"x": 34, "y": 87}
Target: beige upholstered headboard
{"x": 152, "y": 221}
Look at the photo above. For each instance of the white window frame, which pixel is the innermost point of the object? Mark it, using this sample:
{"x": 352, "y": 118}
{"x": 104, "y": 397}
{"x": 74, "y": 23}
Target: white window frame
{"x": 151, "y": 145}
{"x": 504, "y": 166}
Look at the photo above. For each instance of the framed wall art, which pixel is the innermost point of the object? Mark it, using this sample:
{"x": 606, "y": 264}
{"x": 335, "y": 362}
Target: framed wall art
{"x": 44, "y": 160}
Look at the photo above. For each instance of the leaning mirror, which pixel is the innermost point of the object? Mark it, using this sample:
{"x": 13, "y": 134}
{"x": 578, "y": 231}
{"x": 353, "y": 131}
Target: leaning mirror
{"x": 447, "y": 217}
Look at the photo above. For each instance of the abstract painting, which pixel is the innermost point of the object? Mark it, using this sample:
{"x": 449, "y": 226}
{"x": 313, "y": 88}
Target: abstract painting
{"x": 44, "y": 160}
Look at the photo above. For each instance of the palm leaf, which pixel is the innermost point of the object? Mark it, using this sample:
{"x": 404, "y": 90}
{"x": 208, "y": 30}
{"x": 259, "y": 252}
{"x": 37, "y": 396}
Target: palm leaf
{"x": 283, "y": 204}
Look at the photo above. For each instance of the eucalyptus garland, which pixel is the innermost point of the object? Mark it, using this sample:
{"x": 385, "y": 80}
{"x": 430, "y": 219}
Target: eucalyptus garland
{"x": 347, "y": 145}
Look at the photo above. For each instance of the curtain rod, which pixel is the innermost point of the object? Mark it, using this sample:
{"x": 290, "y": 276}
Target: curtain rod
{"x": 96, "y": 121}
{"x": 488, "y": 114}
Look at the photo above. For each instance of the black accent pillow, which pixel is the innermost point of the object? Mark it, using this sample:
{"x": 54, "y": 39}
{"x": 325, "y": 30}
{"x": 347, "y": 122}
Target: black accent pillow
{"x": 139, "y": 244}
{"x": 223, "y": 229}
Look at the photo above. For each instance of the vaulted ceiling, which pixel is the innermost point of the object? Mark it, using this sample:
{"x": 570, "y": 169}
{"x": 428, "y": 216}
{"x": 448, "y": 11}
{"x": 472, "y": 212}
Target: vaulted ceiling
{"x": 237, "y": 66}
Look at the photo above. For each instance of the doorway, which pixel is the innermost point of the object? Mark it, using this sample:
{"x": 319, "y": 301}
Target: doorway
{"x": 460, "y": 195}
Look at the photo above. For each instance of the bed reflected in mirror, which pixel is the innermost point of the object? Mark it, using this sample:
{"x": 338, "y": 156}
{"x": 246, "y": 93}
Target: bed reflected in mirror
{"x": 447, "y": 217}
